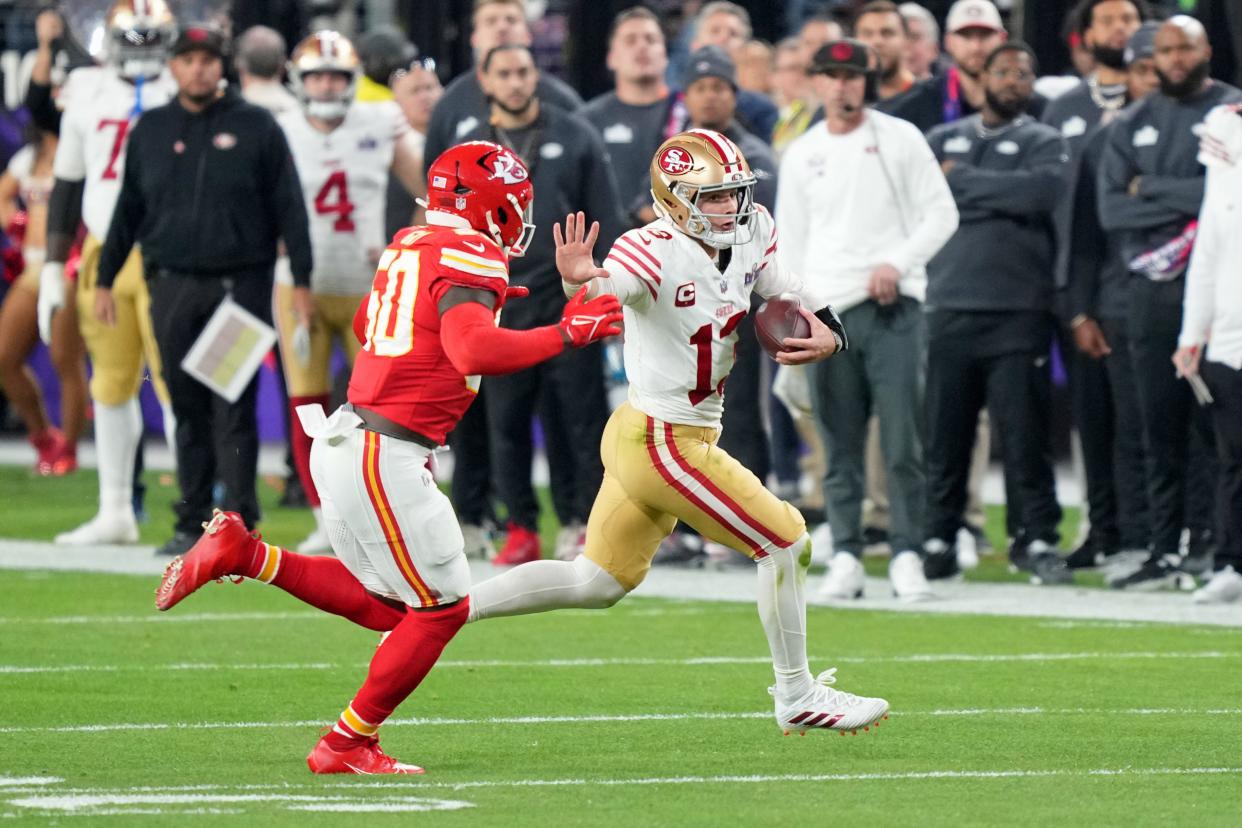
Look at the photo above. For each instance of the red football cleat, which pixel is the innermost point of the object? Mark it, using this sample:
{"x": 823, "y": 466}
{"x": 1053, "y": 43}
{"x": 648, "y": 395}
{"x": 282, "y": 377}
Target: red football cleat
{"x": 67, "y": 461}
{"x": 224, "y": 549}
{"x": 367, "y": 758}
{"x": 50, "y": 443}
{"x": 521, "y": 546}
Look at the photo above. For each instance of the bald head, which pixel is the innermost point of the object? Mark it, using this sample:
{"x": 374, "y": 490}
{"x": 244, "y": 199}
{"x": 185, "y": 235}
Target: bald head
{"x": 1183, "y": 57}
{"x": 260, "y": 52}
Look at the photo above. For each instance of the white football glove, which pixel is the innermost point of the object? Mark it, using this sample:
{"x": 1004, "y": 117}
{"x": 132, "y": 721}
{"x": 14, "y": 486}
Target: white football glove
{"x": 51, "y": 297}
{"x": 302, "y": 344}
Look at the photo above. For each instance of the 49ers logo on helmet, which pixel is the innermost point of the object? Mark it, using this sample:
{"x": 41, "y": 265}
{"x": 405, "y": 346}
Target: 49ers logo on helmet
{"x": 508, "y": 169}
{"x": 676, "y": 161}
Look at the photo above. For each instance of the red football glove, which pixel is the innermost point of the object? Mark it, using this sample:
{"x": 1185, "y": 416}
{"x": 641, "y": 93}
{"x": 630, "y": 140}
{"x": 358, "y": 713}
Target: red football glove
{"x": 590, "y": 320}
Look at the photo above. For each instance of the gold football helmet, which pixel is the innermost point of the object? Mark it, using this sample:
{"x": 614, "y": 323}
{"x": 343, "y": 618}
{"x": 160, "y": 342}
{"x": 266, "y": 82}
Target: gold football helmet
{"x": 702, "y": 161}
{"x": 325, "y": 51}
{"x": 140, "y": 35}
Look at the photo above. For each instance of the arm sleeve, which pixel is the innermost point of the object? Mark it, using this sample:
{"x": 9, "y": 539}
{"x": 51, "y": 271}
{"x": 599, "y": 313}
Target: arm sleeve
{"x": 1118, "y": 210}
{"x": 290, "y": 207}
{"x": 926, "y": 195}
{"x": 1199, "y": 301}
{"x": 127, "y": 216}
{"x": 1034, "y": 188}
{"x": 475, "y": 345}
{"x": 43, "y": 111}
{"x": 1180, "y": 196}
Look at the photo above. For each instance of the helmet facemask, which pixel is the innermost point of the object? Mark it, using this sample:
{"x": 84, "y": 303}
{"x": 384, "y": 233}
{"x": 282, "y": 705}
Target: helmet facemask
{"x": 518, "y": 248}
{"x": 326, "y": 109}
{"x": 698, "y": 224}
{"x": 140, "y": 51}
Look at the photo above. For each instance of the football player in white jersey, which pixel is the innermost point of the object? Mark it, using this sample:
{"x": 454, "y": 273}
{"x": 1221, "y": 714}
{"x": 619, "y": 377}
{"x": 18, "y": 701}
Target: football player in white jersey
{"x": 685, "y": 282}
{"x": 344, "y": 152}
{"x": 101, "y": 104}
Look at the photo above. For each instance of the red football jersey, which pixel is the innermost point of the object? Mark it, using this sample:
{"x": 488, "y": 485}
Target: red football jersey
{"x": 402, "y": 371}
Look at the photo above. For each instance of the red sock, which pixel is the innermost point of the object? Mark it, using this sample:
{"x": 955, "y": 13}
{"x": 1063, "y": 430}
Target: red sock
{"x": 398, "y": 667}
{"x": 324, "y": 583}
{"x": 301, "y": 444}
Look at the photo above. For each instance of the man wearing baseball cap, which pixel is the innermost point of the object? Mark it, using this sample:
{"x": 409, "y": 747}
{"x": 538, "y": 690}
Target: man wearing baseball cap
{"x": 209, "y": 188}
{"x": 973, "y": 29}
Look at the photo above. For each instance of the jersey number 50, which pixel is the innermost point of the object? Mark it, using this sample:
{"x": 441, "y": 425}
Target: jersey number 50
{"x": 390, "y": 309}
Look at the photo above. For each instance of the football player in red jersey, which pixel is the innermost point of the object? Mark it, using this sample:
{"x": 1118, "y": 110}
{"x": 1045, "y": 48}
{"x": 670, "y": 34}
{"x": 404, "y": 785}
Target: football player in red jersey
{"x": 428, "y": 330}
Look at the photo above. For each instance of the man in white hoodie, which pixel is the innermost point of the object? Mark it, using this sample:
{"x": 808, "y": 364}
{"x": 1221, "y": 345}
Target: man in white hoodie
{"x": 861, "y": 207}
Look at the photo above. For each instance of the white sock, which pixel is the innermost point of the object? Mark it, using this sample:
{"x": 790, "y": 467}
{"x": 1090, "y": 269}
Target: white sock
{"x": 170, "y": 431}
{"x": 118, "y": 431}
{"x": 782, "y": 609}
{"x": 545, "y": 585}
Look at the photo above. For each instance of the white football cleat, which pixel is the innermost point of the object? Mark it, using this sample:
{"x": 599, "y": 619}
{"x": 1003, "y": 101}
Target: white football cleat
{"x": 103, "y": 528}
{"x": 478, "y": 542}
{"x": 316, "y": 543}
{"x": 1224, "y": 587}
{"x": 905, "y": 573}
{"x": 829, "y": 709}
{"x": 844, "y": 579}
{"x": 967, "y": 550}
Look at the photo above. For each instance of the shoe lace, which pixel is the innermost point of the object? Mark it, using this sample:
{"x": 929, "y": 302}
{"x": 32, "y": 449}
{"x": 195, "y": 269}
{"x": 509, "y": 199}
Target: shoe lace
{"x": 828, "y": 678}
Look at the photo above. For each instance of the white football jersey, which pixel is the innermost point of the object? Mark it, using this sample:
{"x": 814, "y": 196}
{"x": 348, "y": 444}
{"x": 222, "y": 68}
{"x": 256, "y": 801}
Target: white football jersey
{"x": 100, "y": 108}
{"x": 682, "y": 312}
{"x": 344, "y": 176}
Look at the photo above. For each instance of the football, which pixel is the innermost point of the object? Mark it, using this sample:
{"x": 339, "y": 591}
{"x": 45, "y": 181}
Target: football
{"x": 778, "y": 318}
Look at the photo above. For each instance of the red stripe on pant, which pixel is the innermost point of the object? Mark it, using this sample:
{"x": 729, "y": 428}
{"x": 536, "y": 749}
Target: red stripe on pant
{"x": 300, "y": 445}
{"x": 685, "y": 492}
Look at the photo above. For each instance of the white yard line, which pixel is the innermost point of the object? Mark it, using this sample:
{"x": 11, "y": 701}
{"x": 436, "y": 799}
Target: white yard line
{"x": 612, "y": 719}
{"x": 563, "y": 663}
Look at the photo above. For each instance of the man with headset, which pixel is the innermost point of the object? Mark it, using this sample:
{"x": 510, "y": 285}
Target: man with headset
{"x": 870, "y": 260}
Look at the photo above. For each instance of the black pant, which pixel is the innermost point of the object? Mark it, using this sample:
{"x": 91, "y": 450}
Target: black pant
{"x": 741, "y": 428}
{"x": 216, "y": 439}
{"x": 1091, "y": 403}
{"x": 471, "y": 489}
{"x": 568, "y": 393}
{"x": 997, "y": 359}
{"x": 1181, "y": 471}
{"x": 1226, "y": 386}
{"x": 1129, "y": 452}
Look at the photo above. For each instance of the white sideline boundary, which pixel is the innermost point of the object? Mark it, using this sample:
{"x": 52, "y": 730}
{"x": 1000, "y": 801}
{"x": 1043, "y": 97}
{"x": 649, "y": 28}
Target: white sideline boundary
{"x": 494, "y": 721}
{"x": 953, "y": 597}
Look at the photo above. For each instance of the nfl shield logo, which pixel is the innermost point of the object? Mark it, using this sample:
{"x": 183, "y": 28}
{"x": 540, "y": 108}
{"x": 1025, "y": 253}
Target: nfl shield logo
{"x": 461, "y": 202}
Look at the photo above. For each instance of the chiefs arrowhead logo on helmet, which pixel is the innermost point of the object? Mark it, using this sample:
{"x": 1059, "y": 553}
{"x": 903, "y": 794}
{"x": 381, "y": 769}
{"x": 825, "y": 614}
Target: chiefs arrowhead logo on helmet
{"x": 508, "y": 169}
{"x": 676, "y": 161}
{"x": 488, "y": 188}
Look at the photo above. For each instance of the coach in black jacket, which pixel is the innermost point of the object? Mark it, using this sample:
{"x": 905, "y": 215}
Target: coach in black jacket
{"x": 209, "y": 188}
{"x": 989, "y": 313}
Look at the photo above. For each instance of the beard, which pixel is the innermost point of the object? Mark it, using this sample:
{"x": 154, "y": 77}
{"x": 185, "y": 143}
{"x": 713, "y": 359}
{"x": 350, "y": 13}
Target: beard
{"x": 1181, "y": 90}
{"x": 1005, "y": 109}
{"x": 521, "y": 109}
{"x": 1110, "y": 57}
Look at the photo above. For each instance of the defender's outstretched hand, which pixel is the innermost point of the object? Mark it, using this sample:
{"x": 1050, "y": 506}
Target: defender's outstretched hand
{"x": 574, "y": 258}
{"x": 587, "y": 320}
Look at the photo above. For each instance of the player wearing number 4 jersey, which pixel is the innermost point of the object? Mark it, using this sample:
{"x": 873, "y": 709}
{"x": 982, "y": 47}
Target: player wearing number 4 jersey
{"x": 343, "y": 151}
{"x": 685, "y": 282}
{"x": 428, "y": 330}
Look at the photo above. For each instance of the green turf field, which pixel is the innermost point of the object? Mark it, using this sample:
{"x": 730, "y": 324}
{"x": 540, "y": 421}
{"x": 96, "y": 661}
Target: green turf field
{"x": 652, "y": 713}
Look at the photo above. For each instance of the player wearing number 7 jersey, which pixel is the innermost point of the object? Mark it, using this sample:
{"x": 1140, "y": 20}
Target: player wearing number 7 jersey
{"x": 344, "y": 152}
{"x": 685, "y": 281}
{"x": 428, "y": 329}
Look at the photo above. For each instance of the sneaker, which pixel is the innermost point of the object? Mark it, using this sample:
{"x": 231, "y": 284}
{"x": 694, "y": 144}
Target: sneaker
{"x": 1224, "y": 587}
{"x": 1157, "y": 572}
{"x": 223, "y": 549}
{"x": 829, "y": 709}
{"x": 179, "y": 544}
{"x": 905, "y": 573}
{"x": 104, "y": 528}
{"x": 1200, "y": 552}
{"x": 478, "y": 541}
{"x": 844, "y": 579}
{"x": 1046, "y": 566}
{"x": 1019, "y": 556}
{"x": 50, "y": 444}
{"x": 1123, "y": 563}
{"x": 521, "y": 546}
{"x": 1090, "y": 554}
{"x": 680, "y": 549}
{"x": 67, "y": 461}
{"x": 316, "y": 543}
{"x": 570, "y": 541}
{"x": 967, "y": 550}
{"x": 939, "y": 560}
{"x": 367, "y": 758}
{"x": 821, "y": 544}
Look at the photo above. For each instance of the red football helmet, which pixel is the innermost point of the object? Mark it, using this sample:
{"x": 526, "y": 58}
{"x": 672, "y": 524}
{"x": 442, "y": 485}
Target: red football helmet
{"x": 488, "y": 186}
